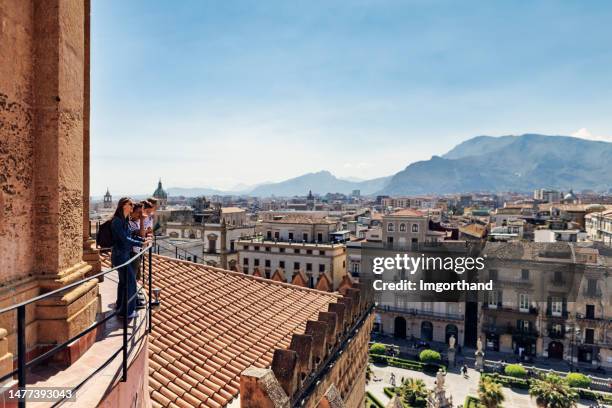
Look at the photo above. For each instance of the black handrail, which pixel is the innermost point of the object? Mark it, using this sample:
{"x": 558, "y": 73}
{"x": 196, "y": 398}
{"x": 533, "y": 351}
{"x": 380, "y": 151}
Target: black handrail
{"x": 23, "y": 364}
{"x": 176, "y": 248}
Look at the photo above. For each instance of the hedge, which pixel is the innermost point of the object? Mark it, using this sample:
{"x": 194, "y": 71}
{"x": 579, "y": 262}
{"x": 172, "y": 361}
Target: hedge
{"x": 377, "y": 348}
{"x": 515, "y": 370}
{"x": 429, "y": 356}
{"x": 595, "y": 396}
{"x": 389, "y": 392}
{"x": 507, "y": 381}
{"x": 374, "y": 402}
{"x": 471, "y": 402}
{"x": 407, "y": 364}
{"x": 578, "y": 380}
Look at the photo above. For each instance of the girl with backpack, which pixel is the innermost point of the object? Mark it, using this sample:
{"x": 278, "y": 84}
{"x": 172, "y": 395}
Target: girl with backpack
{"x": 123, "y": 243}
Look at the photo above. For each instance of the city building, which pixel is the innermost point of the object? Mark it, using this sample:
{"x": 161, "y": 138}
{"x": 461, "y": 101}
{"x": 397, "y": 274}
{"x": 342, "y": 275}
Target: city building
{"x": 295, "y": 244}
{"x": 403, "y": 228}
{"x": 216, "y": 228}
{"x": 544, "y": 293}
{"x": 598, "y": 225}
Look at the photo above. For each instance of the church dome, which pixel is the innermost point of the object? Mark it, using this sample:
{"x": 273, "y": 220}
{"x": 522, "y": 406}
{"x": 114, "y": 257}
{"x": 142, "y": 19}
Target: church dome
{"x": 160, "y": 193}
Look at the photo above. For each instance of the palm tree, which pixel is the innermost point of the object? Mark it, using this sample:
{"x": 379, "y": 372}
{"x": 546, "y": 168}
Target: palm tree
{"x": 414, "y": 392}
{"x": 490, "y": 393}
{"x": 553, "y": 392}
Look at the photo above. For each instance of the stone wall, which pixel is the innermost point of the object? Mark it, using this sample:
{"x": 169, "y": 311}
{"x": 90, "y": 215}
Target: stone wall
{"x": 325, "y": 366}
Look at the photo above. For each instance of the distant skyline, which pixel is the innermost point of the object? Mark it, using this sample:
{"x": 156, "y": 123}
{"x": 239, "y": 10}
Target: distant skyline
{"x": 221, "y": 94}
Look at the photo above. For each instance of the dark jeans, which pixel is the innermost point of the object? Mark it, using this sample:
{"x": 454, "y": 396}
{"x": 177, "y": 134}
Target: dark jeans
{"x": 127, "y": 276}
{"x": 137, "y": 267}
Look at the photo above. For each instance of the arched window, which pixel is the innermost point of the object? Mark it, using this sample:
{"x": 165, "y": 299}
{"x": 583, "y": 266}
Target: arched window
{"x": 415, "y": 227}
{"x": 390, "y": 227}
{"x": 402, "y": 227}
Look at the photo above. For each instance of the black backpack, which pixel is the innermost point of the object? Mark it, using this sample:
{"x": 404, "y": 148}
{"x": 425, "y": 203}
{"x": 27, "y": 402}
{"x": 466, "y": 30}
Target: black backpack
{"x": 104, "y": 238}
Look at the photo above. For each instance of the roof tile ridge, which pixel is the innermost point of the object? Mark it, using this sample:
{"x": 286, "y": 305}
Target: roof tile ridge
{"x": 244, "y": 275}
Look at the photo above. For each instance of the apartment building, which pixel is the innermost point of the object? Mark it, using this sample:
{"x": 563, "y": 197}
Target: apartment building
{"x": 295, "y": 245}
{"x": 598, "y": 226}
{"x": 407, "y": 228}
{"x": 548, "y": 301}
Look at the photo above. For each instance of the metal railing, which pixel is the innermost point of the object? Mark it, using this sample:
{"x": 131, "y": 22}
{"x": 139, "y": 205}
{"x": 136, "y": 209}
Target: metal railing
{"x": 23, "y": 365}
{"x": 179, "y": 253}
{"x": 419, "y": 312}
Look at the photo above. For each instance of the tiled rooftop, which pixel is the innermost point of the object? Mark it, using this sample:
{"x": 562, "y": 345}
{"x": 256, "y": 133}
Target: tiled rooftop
{"x": 213, "y": 324}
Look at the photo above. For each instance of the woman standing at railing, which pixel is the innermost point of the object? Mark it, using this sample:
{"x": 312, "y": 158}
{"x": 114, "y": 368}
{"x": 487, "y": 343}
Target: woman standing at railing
{"x": 122, "y": 247}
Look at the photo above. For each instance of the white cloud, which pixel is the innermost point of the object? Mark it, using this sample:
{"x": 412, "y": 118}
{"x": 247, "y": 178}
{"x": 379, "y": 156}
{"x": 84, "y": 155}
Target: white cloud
{"x": 584, "y": 133}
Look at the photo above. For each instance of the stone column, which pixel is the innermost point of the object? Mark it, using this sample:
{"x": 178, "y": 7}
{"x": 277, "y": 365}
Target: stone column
{"x": 90, "y": 254}
{"x": 59, "y": 50}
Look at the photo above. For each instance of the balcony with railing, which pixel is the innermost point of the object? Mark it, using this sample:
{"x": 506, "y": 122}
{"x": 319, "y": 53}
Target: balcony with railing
{"x": 104, "y": 356}
{"x": 421, "y": 313}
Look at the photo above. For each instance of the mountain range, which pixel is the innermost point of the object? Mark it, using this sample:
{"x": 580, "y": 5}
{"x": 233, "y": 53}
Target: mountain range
{"x": 483, "y": 163}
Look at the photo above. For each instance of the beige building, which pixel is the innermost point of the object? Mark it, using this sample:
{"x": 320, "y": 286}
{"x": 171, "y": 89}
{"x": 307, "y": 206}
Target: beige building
{"x": 218, "y": 230}
{"x": 294, "y": 244}
{"x": 407, "y": 228}
{"x": 598, "y": 226}
{"x": 548, "y": 302}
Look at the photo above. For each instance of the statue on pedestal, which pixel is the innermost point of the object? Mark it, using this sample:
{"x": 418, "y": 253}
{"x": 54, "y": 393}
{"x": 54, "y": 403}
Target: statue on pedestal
{"x": 479, "y": 355}
{"x": 451, "y": 350}
{"x": 438, "y": 398}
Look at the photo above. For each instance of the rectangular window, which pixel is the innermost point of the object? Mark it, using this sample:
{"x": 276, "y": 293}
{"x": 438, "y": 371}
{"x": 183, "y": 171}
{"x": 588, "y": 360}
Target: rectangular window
{"x": 492, "y": 300}
{"x": 267, "y": 263}
{"x": 269, "y": 235}
{"x": 590, "y": 311}
{"x": 493, "y": 274}
{"x": 556, "y": 306}
{"x": 276, "y": 235}
{"x": 589, "y": 336}
{"x": 389, "y": 240}
{"x": 296, "y": 251}
{"x": 355, "y": 268}
{"x": 305, "y": 237}
{"x": 291, "y": 236}
{"x": 256, "y": 248}
{"x": 296, "y": 266}
{"x": 524, "y": 302}
{"x": 245, "y": 261}
{"x": 281, "y": 250}
{"x": 415, "y": 227}
{"x": 319, "y": 237}
{"x": 256, "y": 262}
{"x": 321, "y": 268}
{"x": 308, "y": 267}
{"x": 309, "y": 251}
{"x": 281, "y": 264}
{"x": 267, "y": 249}
{"x": 525, "y": 274}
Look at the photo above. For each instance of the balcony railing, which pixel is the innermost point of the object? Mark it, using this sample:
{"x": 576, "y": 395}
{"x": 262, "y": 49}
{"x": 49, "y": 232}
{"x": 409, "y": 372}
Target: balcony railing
{"x": 420, "y": 313}
{"x": 590, "y": 293}
{"x": 23, "y": 364}
{"x": 510, "y": 310}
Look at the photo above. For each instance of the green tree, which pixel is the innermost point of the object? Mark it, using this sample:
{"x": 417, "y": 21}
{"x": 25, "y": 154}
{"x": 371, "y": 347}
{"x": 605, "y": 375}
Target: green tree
{"x": 490, "y": 393}
{"x": 553, "y": 392}
{"x": 414, "y": 392}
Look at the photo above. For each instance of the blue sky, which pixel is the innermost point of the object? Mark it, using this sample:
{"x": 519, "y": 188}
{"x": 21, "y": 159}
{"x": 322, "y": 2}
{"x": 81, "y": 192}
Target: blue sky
{"x": 222, "y": 93}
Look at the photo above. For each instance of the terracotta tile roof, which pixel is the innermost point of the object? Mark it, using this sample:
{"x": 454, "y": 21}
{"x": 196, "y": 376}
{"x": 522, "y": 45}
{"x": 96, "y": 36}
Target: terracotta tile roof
{"x": 229, "y": 210}
{"x": 406, "y": 212}
{"x": 212, "y": 324}
{"x": 300, "y": 219}
{"x": 473, "y": 230}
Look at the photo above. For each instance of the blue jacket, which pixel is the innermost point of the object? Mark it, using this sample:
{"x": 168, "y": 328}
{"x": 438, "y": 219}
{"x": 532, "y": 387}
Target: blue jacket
{"x": 122, "y": 241}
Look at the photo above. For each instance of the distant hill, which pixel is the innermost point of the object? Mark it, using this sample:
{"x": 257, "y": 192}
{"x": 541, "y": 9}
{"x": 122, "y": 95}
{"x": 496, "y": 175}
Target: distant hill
{"x": 321, "y": 182}
{"x": 510, "y": 163}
